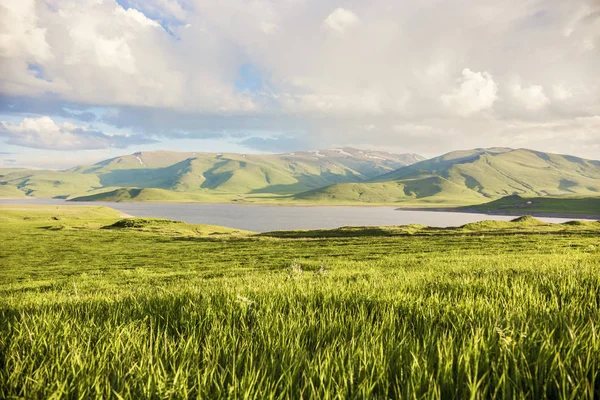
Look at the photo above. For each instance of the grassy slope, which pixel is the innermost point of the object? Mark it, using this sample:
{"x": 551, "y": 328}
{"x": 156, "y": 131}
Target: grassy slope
{"x": 151, "y": 195}
{"x": 541, "y": 205}
{"x": 482, "y": 311}
{"x": 502, "y": 172}
{"x": 10, "y": 191}
{"x": 93, "y": 218}
{"x": 210, "y": 173}
{"x": 25, "y": 213}
{"x": 455, "y": 179}
{"x": 471, "y": 177}
{"x": 41, "y": 183}
{"x": 434, "y": 190}
{"x": 239, "y": 173}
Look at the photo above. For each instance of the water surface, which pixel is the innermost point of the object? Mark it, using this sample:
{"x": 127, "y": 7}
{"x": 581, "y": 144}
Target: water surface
{"x": 264, "y": 218}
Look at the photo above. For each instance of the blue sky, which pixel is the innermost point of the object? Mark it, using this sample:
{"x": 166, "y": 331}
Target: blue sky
{"x": 84, "y": 80}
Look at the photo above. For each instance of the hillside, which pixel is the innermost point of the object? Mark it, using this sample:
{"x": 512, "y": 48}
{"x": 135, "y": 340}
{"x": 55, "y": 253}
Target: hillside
{"x": 9, "y": 191}
{"x": 471, "y": 177}
{"x": 435, "y": 190}
{"x": 208, "y": 173}
{"x": 152, "y": 195}
{"x": 517, "y": 205}
{"x": 46, "y": 183}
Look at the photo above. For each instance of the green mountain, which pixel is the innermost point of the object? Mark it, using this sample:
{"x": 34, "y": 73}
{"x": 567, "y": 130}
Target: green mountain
{"x": 198, "y": 175}
{"x": 471, "y": 177}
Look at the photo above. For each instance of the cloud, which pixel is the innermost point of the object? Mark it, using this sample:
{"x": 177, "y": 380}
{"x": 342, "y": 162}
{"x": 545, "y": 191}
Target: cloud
{"x": 45, "y": 105}
{"x": 340, "y": 20}
{"x": 171, "y": 68}
{"x": 532, "y": 97}
{"x": 477, "y": 92}
{"x": 276, "y": 144}
{"x": 20, "y": 35}
{"x": 561, "y": 93}
{"x": 268, "y": 28}
{"x": 44, "y": 133}
{"x": 166, "y": 10}
{"x": 136, "y": 17}
{"x": 561, "y": 136}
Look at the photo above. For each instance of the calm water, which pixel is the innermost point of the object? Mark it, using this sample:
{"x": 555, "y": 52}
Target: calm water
{"x": 270, "y": 218}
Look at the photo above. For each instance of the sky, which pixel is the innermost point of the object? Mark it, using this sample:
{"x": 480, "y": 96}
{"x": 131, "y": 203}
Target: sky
{"x": 86, "y": 80}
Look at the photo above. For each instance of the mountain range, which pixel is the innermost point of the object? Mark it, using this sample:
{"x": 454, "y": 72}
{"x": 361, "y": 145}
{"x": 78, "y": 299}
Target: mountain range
{"x": 198, "y": 174}
{"x": 472, "y": 177}
{"x": 342, "y": 175}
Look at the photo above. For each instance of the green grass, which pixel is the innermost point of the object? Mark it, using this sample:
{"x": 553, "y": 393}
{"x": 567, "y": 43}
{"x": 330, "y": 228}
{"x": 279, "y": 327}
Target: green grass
{"x": 588, "y": 206}
{"x": 505, "y": 310}
{"x": 435, "y": 191}
{"x": 40, "y": 183}
{"x": 10, "y": 191}
{"x": 151, "y": 195}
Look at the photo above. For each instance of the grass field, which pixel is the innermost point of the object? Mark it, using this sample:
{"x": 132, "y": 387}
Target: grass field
{"x": 95, "y": 307}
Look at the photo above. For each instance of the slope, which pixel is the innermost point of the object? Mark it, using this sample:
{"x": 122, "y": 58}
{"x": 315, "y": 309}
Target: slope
{"x": 211, "y": 173}
{"x": 9, "y": 192}
{"x": 500, "y": 172}
{"x": 149, "y": 195}
{"x": 517, "y": 205}
{"x": 434, "y": 190}
{"x": 45, "y": 183}
{"x": 474, "y": 176}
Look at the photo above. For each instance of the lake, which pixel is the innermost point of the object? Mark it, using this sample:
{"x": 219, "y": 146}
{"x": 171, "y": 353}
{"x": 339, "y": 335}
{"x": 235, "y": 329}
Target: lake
{"x": 264, "y": 218}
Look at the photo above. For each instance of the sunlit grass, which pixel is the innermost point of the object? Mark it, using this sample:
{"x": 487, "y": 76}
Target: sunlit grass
{"x": 483, "y": 311}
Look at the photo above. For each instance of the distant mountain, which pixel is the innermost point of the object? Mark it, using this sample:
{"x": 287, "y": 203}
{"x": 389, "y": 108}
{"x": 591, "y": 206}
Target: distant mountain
{"x": 204, "y": 174}
{"x": 470, "y": 177}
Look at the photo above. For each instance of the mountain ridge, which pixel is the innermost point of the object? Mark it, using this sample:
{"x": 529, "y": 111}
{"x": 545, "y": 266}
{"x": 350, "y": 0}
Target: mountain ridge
{"x": 481, "y": 174}
{"x": 219, "y": 173}
{"x": 339, "y": 175}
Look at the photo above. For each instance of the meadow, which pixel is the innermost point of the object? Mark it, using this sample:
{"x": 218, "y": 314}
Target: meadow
{"x": 93, "y": 306}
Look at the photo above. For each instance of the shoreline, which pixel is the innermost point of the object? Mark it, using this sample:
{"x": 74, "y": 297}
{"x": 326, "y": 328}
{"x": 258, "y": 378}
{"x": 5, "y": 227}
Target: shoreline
{"x": 396, "y": 207}
{"x": 506, "y": 214}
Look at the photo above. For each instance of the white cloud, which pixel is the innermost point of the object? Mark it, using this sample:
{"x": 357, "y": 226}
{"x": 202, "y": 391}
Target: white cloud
{"x": 532, "y": 97}
{"x": 90, "y": 45}
{"x": 477, "y": 92}
{"x": 370, "y": 127}
{"x": 136, "y": 17}
{"x": 268, "y": 27}
{"x": 44, "y": 133}
{"x": 561, "y": 93}
{"x": 341, "y": 19}
{"x": 20, "y": 35}
{"x": 332, "y": 72}
{"x": 577, "y": 136}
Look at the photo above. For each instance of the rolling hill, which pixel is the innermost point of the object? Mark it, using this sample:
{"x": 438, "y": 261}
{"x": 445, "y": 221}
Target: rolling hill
{"x": 198, "y": 175}
{"x": 471, "y": 177}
